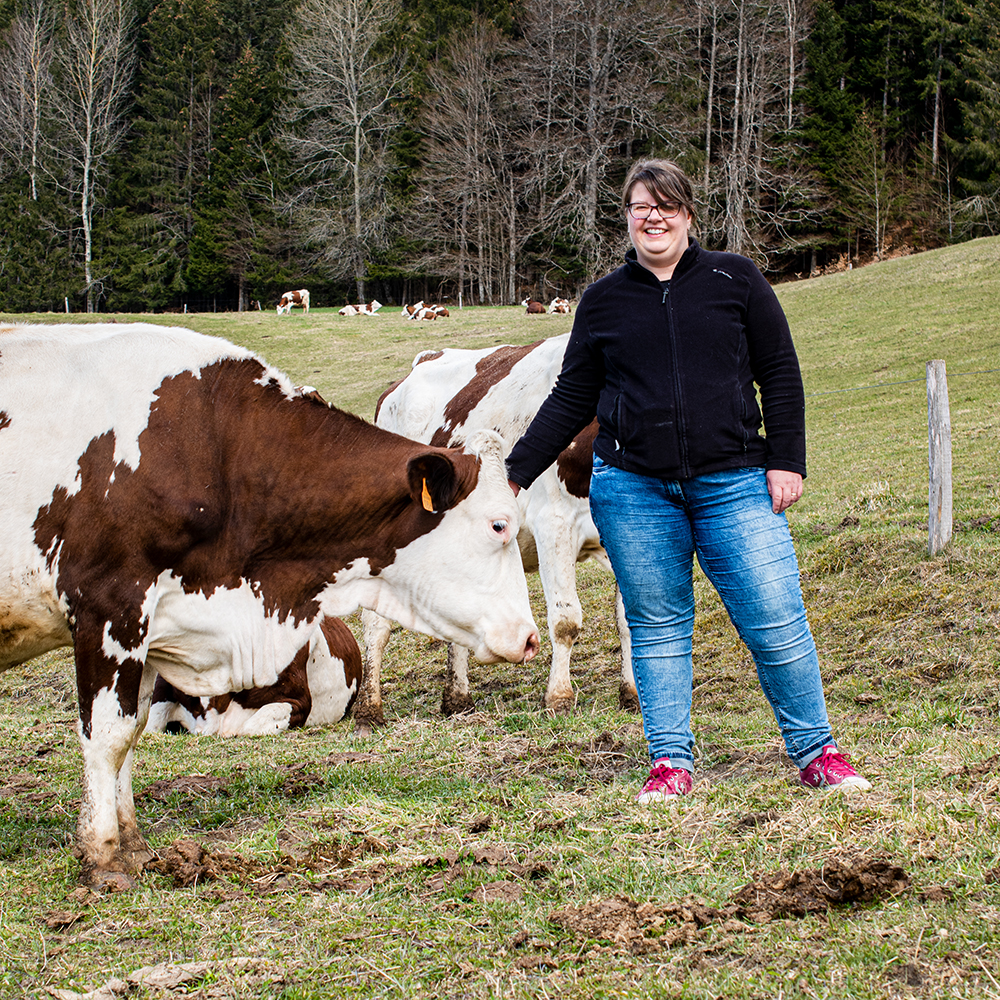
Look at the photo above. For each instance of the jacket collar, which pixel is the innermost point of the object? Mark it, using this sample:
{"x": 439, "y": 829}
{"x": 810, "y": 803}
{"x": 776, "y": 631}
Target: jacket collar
{"x": 639, "y": 273}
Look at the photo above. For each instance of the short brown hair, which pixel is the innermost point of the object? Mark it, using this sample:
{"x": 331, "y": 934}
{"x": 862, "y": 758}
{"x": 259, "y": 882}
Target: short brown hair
{"x": 664, "y": 179}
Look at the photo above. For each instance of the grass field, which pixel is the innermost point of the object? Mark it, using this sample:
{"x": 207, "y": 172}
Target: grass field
{"x": 500, "y": 854}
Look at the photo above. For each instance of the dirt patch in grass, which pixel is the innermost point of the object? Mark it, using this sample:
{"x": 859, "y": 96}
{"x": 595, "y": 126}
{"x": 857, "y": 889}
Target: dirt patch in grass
{"x": 644, "y": 927}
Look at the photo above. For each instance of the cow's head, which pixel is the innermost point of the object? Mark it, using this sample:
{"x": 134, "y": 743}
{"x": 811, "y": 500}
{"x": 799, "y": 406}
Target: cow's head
{"x": 461, "y": 577}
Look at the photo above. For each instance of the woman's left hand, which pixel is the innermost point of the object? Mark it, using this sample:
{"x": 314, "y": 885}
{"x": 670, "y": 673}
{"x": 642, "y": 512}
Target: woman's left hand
{"x": 785, "y": 489}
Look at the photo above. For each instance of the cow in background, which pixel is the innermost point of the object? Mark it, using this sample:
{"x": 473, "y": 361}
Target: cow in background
{"x": 447, "y": 396}
{"x": 316, "y": 689}
{"x": 422, "y": 310}
{"x": 533, "y": 308}
{"x": 560, "y": 306}
{"x": 363, "y": 309}
{"x": 289, "y": 299}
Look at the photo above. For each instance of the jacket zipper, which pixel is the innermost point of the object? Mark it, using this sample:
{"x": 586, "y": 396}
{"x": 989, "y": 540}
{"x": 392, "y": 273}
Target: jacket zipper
{"x": 681, "y": 439}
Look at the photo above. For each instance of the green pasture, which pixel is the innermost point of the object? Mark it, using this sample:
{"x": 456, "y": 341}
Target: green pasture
{"x": 500, "y": 854}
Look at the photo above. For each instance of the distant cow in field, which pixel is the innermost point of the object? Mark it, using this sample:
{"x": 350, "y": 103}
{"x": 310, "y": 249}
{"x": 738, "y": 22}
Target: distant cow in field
{"x": 559, "y": 306}
{"x": 184, "y": 510}
{"x": 532, "y": 307}
{"x": 363, "y": 309}
{"x": 289, "y": 299}
{"x": 316, "y": 689}
{"x": 420, "y": 310}
{"x": 447, "y": 396}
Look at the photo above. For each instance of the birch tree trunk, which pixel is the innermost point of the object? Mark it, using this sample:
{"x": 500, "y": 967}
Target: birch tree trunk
{"x": 92, "y": 67}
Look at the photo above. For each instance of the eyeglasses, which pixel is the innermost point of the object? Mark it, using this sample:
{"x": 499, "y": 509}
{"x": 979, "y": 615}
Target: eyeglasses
{"x": 640, "y": 210}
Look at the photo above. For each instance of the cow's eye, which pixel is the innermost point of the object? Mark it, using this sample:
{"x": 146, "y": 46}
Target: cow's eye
{"x": 499, "y": 527}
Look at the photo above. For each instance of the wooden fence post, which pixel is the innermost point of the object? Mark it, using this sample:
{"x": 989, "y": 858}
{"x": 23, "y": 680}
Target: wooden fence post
{"x": 939, "y": 439}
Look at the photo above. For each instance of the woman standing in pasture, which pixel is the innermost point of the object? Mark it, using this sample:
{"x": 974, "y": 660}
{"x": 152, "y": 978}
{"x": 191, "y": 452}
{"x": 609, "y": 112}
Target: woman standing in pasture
{"x": 666, "y": 351}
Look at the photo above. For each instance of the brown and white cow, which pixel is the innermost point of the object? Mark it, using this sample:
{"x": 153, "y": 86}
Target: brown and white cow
{"x": 447, "y": 397}
{"x": 533, "y": 308}
{"x": 559, "y": 306}
{"x": 362, "y": 309}
{"x": 316, "y": 689}
{"x": 172, "y": 504}
{"x": 298, "y": 298}
{"x": 422, "y": 310}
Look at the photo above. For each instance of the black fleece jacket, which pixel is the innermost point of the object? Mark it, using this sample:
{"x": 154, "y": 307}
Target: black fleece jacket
{"x": 669, "y": 369}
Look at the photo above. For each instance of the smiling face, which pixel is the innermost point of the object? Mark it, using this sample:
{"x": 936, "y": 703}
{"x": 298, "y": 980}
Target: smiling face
{"x": 659, "y": 243}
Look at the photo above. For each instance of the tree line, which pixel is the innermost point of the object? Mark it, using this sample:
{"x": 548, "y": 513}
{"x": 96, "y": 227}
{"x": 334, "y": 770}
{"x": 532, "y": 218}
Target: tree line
{"x": 209, "y": 154}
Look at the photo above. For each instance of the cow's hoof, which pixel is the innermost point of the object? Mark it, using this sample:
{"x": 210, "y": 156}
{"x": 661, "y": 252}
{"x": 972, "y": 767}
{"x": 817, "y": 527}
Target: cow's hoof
{"x": 365, "y": 725}
{"x": 456, "y": 704}
{"x": 628, "y": 699}
{"x": 560, "y": 704}
{"x": 105, "y": 881}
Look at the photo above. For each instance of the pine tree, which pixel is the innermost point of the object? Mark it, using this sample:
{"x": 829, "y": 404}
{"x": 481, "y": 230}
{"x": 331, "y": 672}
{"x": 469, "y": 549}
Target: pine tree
{"x": 167, "y": 160}
{"x": 236, "y": 232}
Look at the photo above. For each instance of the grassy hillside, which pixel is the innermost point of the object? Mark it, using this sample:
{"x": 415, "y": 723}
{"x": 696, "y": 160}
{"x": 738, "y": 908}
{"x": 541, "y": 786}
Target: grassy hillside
{"x": 500, "y": 854}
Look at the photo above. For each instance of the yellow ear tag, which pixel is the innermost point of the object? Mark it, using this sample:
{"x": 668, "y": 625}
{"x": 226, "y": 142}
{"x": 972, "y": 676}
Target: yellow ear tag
{"x": 425, "y": 498}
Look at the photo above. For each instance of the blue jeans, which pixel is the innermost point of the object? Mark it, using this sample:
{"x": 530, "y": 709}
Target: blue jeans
{"x": 652, "y": 529}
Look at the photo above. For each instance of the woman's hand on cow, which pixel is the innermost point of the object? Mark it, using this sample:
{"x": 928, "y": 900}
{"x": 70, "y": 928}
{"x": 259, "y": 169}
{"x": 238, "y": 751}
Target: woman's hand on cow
{"x": 785, "y": 489}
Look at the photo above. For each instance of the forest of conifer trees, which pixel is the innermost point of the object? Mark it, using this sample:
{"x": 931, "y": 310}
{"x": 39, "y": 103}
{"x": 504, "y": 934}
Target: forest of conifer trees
{"x": 209, "y": 154}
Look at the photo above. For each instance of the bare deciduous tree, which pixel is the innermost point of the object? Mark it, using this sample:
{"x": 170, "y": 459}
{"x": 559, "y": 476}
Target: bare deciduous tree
{"x": 92, "y": 67}
{"x": 346, "y": 77}
{"x": 470, "y": 187}
{"x": 592, "y": 93}
{"x": 25, "y": 59}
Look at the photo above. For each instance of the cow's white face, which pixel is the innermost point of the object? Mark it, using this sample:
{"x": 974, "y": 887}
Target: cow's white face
{"x": 463, "y": 581}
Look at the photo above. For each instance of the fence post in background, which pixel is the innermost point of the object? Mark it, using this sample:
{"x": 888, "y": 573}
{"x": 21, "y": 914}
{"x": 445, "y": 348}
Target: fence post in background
{"x": 939, "y": 440}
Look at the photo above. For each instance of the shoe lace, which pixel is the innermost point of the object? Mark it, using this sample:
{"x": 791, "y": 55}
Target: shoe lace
{"x": 663, "y": 775}
{"x": 833, "y": 762}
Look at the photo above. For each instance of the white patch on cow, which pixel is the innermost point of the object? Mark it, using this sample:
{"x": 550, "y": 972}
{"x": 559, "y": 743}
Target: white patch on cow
{"x": 327, "y": 684}
{"x": 223, "y": 642}
{"x": 240, "y": 721}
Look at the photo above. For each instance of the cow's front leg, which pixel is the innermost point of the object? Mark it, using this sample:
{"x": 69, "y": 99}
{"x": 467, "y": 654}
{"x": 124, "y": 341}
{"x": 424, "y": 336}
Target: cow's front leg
{"x": 368, "y": 704}
{"x": 628, "y": 697}
{"x": 456, "y": 699}
{"x": 557, "y": 570}
{"x": 135, "y": 852}
{"x": 109, "y": 679}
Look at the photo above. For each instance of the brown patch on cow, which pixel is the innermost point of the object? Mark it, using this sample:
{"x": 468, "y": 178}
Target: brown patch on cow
{"x": 4, "y": 420}
{"x": 490, "y": 370}
{"x": 575, "y": 462}
{"x": 428, "y": 356}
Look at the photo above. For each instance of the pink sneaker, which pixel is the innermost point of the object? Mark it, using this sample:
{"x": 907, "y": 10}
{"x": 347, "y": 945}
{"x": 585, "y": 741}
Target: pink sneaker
{"x": 831, "y": 770}
{"x": 665, "y": 783}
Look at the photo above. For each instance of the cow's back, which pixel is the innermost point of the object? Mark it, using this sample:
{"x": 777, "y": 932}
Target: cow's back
{"x": 450, "y": 393}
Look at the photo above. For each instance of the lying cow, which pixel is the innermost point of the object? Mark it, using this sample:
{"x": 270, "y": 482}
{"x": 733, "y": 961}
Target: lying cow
{"x": 422, "y": 310}
{"x": 533, "y": 308}
{"x": 316, "y": 689}
{"x": 364, "y": 309}
{"x": 184, "y": 510}
{"x": 447, "y": 396}
{"x": 289, "y": 299}
{"x": 559, "y": 306}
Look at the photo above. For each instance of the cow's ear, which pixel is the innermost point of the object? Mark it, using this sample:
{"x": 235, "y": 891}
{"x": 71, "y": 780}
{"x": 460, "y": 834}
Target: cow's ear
{"x": 434, "y": 482}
